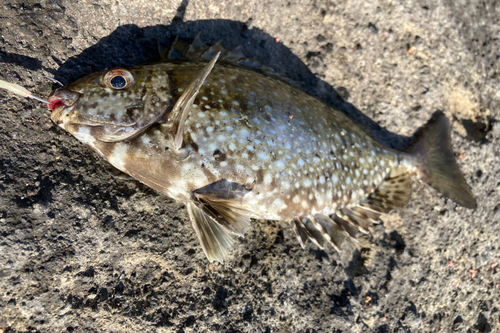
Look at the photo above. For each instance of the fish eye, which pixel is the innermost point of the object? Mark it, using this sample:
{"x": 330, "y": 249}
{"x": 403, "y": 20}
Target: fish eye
{"x": 118, "y": 79}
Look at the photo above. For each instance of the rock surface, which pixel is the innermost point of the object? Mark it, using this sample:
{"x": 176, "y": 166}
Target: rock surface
{"x": 82, "y": 251}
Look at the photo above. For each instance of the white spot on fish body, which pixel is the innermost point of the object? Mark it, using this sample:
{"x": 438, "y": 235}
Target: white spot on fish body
{"x": 210, "y": 129}
{"x": 280, "y": 164}
{"x": 201, "y": 115}
{"x": 268, "y": 178}
{"x": 263, "y": 156}
{"x": 232, "y": 147}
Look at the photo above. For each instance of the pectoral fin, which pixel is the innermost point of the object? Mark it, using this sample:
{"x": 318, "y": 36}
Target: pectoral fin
{"x": 181, "y": 109}
{"x": 223, "y": 201}
{"x": 217, "y": 214}
{"x": 215, "y": 239}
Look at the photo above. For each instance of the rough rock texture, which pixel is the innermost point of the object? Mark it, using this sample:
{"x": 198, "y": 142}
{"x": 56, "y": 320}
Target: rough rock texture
{"x": 81, "y": 251}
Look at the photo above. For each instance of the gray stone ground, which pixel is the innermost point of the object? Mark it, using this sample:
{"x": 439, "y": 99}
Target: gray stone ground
{"x": 81, "y": 251}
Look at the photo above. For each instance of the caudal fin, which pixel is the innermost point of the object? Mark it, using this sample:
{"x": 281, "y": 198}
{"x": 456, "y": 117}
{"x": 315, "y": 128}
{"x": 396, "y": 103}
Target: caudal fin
{"x": 435, "y": 164}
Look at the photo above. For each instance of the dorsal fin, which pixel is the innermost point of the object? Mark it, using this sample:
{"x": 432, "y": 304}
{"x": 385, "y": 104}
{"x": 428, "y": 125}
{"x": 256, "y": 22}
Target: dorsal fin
{"x": 234, "y": 55}
{"x": 180, "y": 111}
{"x": 214, "y": 49}
{"x": 198, "y": 51}
{"x": 196, "y": 48}
{"x": 178, "y": 49}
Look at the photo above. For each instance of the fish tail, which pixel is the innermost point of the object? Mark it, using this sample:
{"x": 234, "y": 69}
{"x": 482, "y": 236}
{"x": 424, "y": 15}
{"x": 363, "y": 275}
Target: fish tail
{"x": 433, "y": 161}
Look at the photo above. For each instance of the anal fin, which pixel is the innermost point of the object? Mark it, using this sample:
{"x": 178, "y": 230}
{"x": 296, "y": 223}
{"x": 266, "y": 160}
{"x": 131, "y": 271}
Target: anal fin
{"x": 393, "y": 192}
{"x": 320, "y": 229}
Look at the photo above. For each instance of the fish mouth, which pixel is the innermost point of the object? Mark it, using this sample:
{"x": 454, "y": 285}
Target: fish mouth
{"x": 60, "y": 99}
{"x": 55, "y": 102}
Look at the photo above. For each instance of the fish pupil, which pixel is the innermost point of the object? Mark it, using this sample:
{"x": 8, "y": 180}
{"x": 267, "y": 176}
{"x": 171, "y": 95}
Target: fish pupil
{"x": 118, "y": 82}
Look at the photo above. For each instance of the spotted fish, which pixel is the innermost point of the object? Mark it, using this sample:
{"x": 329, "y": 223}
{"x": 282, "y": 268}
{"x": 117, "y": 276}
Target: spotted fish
{"x": 233, "y": 144}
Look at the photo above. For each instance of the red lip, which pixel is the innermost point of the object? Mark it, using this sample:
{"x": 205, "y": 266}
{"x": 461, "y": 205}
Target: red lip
{"x": 55, "y": 103}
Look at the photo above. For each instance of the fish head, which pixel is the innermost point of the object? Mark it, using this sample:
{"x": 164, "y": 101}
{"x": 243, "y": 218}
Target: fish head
{"x": 113, "y": 105}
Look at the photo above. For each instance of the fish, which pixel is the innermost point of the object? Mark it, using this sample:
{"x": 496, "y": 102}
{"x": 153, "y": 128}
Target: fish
{"x": 235, "y": 141}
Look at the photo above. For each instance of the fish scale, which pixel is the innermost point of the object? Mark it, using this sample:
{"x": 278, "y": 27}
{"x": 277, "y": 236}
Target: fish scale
{"x": 275, "y": 144}
{"x": 235, "y": 143}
